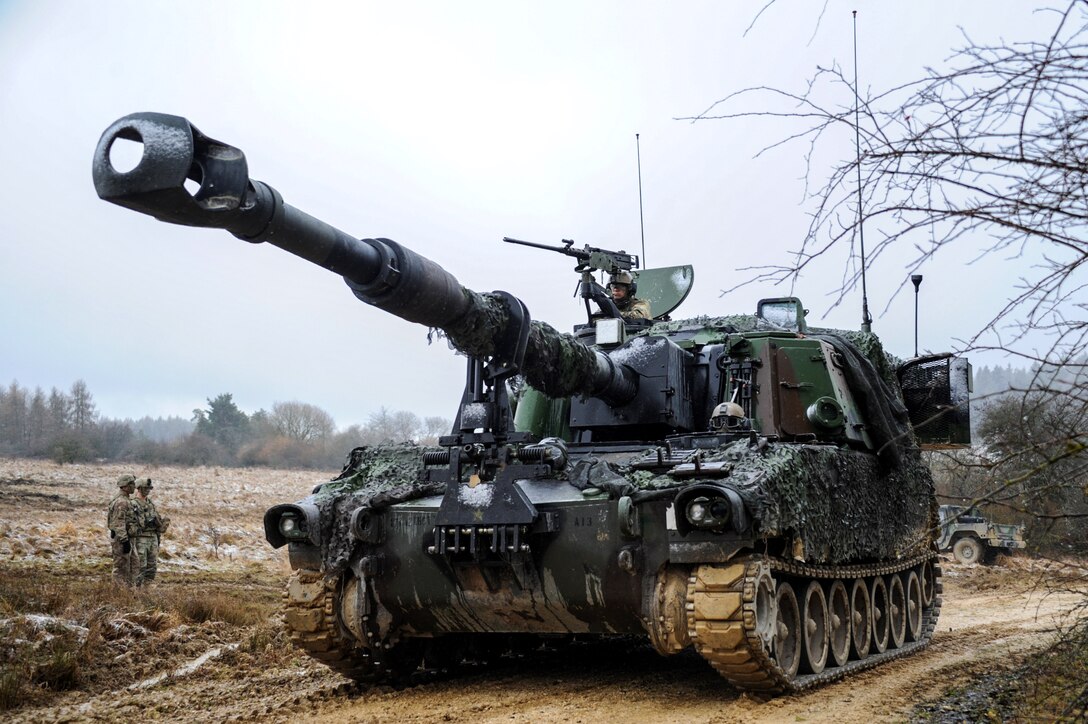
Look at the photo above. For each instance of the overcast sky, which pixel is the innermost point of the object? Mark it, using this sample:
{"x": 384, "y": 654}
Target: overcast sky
{"x": 444, "y": 126}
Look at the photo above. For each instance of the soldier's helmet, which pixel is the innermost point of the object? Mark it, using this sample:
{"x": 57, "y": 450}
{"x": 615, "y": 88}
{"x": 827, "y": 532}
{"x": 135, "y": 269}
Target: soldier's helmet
{"x": 126, "y": 480}
{"x": 623, "y": 276}
{"x": 144, "y": 484}
{"x": 727, "y": 416}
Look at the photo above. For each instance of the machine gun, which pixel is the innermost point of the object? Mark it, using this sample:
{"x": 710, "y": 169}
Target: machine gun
{"x": 590, "y": 259}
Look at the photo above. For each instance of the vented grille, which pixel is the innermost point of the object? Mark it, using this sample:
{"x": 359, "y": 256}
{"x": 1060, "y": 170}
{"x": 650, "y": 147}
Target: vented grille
{"x": 935, "y": 391}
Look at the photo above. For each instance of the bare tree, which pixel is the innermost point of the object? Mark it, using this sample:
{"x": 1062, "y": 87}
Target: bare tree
{"x": 301, "y": 421}
{"x": 385, "y": 426}
{"x": 996, "y": 146}
{"x": 434, "y": 428}
{"x": 1035, "y": 469}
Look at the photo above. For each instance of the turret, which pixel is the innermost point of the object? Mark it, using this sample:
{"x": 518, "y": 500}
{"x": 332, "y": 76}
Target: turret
{"x": 494, "y": 327}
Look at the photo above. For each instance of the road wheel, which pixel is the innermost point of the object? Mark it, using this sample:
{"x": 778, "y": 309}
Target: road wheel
{"x": 914, "y": 606}
{"x": 878, "y": 595}
{"x": 787, "y": 638}
{"x": 838, "y": 614}
{"x": 766, "y": 609}
{"x": 861, "y": 619}
{"x": 814, "y": 619}
{"x": 967, "y": 550}
{"x": 897, "y": 610}
{"x": 929, "y": 583}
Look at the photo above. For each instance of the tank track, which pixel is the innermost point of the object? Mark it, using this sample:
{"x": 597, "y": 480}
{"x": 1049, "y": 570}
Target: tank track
{"x": 721, "y": 616}
{"x": 722, "y": 620}
{"x": 314, "y": 627}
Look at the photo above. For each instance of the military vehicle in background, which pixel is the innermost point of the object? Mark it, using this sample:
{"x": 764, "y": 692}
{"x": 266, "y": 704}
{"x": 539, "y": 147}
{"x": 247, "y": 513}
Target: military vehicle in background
{"x": 746, "y": 485}
{"x": 973, "y": 538}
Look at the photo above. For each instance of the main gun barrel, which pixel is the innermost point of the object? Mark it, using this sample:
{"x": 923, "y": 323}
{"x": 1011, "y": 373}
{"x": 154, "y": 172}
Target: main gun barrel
{"x": 380, "y": 272}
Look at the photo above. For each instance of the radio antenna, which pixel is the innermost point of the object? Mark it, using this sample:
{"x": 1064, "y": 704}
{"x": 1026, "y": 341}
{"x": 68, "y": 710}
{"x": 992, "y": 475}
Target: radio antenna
{"x": 866, "y": 318}
{"x": 641, "y": 223}
{"x": 916, "y": 280}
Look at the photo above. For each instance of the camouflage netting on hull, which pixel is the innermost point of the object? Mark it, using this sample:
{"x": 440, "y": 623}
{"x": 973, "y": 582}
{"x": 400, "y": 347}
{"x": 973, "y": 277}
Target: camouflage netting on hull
{"x": 842, "y": 505}
{"x": 839, "y": 503}
{"x": 375, "y": 477}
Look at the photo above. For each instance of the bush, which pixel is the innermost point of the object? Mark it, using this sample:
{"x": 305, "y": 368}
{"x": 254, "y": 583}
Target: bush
{"x": 70, "y": 449}
{"x": 284, "y": 452}
{"x": 197, "y": 449}
{"x": 60, "y": 671}
{"x": 215, "y": 607}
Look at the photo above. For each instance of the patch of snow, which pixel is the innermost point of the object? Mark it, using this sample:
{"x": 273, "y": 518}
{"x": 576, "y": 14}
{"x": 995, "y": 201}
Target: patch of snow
{"x": 185, "y": 669}
{"x": 41, "y": 622}
{"x": 477, "y": 497}
{"x": 635, "y": 351}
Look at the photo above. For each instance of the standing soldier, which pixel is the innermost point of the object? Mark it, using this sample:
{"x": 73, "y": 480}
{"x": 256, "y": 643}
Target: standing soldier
{"x": 122, "y": 525}
{"x": 149, "y": 529}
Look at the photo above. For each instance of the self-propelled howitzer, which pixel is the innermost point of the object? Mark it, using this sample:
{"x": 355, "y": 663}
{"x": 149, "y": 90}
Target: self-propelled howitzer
{"x": 744, "y": 484}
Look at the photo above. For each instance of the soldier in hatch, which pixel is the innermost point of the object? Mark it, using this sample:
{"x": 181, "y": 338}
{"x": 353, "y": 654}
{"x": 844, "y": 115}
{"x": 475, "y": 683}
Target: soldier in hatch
{"x": 623, "y": 288}
{"x": 150, "y": 527}
{"x": 122, "y": 525}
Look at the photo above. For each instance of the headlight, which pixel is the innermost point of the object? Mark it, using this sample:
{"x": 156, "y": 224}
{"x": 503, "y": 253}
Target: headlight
{"x": 705, "y": 512}
{"x": 697, "y": 511}
{"x": 292, "y": 523}
{"x": 290, "y": 527}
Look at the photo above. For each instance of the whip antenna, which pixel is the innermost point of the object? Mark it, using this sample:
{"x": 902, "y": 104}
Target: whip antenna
{"x": 641, "y": 223}
{"x": 916, "y": 280}
{"x": 866, "y": 319}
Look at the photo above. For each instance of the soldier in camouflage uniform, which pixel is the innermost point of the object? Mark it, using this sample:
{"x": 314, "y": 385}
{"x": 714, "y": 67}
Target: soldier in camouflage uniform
{"x": 149, "y": 529}
{"x": 623, "y": 288}
{"x": 122, "y": 525}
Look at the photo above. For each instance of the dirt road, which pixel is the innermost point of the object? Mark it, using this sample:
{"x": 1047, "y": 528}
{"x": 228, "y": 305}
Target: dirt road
{"x": 218, "y": 671}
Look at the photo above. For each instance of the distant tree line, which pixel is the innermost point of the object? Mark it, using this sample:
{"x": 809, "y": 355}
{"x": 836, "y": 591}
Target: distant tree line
{"x": 989, "y": 382}
{"x": 67, "y": 427}
{"x": 989, "y": 385}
